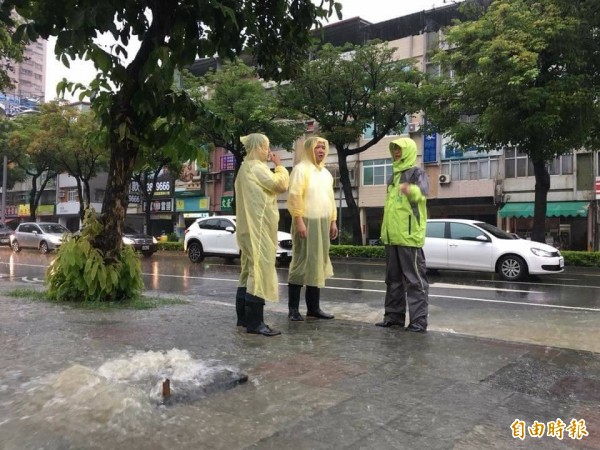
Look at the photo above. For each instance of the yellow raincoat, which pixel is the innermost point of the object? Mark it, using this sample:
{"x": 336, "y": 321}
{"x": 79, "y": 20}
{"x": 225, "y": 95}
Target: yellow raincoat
{"x": 257, "y": 217}
{"x": 311, "y": 197}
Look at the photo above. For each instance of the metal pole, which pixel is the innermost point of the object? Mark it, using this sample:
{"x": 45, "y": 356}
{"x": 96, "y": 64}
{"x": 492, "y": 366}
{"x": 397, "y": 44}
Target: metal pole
{"x": 340, "y": 215}
{"x": 4, "y": 176}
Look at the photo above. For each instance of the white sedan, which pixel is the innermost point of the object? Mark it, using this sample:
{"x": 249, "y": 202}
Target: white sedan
{"x": 458, "y": 244}
{"x": 215, "y": 236}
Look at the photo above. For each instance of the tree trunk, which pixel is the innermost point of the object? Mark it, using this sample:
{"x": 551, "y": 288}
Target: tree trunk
{"x": 81, "y": 200}
{"x": 32, "y": 199}
{"x": 352, "y": 206}
{"x": 542, "y": 186}
{"x": 123, "y": 154}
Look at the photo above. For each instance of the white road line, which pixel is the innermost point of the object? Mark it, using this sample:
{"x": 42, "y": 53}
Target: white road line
{"x": 545, "y": 284}
{"x": 470, "y": 299}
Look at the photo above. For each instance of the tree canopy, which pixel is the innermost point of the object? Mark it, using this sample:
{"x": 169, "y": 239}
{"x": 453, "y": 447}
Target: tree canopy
{"x": 130, "y": 96}
{"x": 519, "y": 79}
{"x": 355, "y": 89}
{"x": 240, "y": 103}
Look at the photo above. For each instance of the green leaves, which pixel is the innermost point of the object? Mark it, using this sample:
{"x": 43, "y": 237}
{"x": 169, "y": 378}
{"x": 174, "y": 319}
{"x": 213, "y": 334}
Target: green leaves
{"x": 80, "y": 273}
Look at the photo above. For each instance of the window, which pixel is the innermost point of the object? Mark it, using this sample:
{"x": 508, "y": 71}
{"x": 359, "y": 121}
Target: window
{"x": 435, "y": 230}
{"x": 72, "y": 195}
{"x": 227, "y": 181}
{"x": 368, "y": 132}
{"x": 517, "y": 164}
{"x": 377, "y": 171}
{"x": 471, "y": 169}
{"x": 464, "y": 231}
{"x": 210, "y": 224}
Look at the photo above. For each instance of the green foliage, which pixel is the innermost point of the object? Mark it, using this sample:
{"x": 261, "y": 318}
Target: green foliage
{"x": 582, "y": 259}
{"x": 357, "y": 251}
{"x": 521, "y": 78}
{"x": 346, "y": 96}
{"x": 11, "y": 50}
{"x": 80, "y": 273}
{"x": 168, "y": 246}
{"x": 133, "y": 95}
{"x": 172, "y": 237}
{"x": 139, "y": 302}
{"x": 238, "y": 104}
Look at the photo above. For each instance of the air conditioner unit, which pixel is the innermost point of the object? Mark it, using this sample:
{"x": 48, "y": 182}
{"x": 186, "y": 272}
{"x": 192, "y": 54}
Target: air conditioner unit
{"x": 413, "y": 127}
{"x": 61, "y": 194}
{"x": 444, "y": 178}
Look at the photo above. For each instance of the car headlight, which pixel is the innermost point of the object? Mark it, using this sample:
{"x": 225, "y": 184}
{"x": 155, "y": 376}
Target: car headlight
{"x": 128, "y": 241}
{"x": 540, "y": 252}
{"x": 154, "y": 240}
{"x": 55, "y": 239}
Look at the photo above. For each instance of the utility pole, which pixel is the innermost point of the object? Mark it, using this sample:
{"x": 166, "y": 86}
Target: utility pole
{"x": 4, "y": 176}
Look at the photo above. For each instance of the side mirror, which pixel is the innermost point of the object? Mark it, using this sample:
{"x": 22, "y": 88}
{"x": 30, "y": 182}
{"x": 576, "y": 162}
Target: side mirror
{"x": 230, "y": 229}
{"x": 482, "y": 238}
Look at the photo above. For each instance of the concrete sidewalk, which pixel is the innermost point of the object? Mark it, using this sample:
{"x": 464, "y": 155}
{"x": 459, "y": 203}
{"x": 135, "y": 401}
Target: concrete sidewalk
{"x": 321, "y": 385}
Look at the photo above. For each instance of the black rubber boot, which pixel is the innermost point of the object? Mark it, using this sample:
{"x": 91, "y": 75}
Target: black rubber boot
{"x": 255, "y": 317}
{"x": 240, "y": 306}
{"x": 294, "y": 303}
{"x": 313, "y": 300}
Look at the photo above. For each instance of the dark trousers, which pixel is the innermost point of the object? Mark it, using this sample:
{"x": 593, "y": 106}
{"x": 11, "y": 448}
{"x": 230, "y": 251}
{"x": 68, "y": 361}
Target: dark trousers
{"x": 406, "y": 281}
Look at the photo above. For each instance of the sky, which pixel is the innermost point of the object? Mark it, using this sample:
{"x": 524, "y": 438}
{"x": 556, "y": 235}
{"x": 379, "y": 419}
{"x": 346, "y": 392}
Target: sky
{"x": 372, "y": 10}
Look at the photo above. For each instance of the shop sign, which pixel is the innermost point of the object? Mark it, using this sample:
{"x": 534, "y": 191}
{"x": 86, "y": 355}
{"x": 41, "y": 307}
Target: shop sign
{"x": 158, "y": 206}
{"x": 192, "y": 204}
{"x": 226, "y": 203}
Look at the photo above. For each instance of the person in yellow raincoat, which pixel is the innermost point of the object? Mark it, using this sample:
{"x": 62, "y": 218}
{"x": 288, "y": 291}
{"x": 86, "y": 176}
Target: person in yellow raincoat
{"x": 257, "y": 219}
{"x": 312, "y": 206}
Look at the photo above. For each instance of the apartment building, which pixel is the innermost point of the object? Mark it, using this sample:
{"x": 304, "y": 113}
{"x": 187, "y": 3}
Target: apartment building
{"x": 494, "y": 185}
{"x": 29, "y": 78}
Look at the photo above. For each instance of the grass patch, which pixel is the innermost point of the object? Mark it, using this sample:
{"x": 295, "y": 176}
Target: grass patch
{"x": 142, "y": 302}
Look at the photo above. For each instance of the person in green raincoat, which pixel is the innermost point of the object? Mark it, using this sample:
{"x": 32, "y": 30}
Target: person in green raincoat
{"x": 257, "y": 219}
{"x": 403, "y": 233}
{"x": 312, "y": 206}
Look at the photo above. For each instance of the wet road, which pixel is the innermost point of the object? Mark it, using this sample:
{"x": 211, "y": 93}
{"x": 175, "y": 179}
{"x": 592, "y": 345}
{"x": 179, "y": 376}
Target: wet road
{"x": 562, "y": 310}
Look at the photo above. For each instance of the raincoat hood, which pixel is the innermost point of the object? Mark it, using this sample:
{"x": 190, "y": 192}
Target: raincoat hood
{"x": 308, "y": 152}
{"x": 257, "y": 146}
{"x": 409, "y": 153}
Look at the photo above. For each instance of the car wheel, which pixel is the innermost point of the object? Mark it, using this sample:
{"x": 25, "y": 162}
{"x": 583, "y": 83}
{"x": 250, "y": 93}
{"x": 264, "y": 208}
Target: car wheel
{"x": 512, "y": 268}
{"x": 16, "y": 247}
{"x": 195, "y": 252}
{"x": 44, "y": 247}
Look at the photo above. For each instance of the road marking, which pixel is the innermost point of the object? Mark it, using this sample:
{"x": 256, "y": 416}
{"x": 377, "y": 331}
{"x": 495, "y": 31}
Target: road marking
{"x": 485, "y": 300}
{"x": 448, "y": 286}
{"x": 544, "y": 284}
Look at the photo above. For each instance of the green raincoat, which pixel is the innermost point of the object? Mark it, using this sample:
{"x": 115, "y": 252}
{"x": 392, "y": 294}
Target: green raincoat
{"x": 257, "y": 217}
{"x": 405, "y": 216}
{"x": 311, "y": 197}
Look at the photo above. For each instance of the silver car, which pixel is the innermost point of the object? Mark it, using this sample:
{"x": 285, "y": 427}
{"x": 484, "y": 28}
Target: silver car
{"x": 45, "y": 236}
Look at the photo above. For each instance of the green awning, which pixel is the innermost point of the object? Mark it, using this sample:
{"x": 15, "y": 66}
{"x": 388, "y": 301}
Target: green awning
{"x": 553, "y": 209}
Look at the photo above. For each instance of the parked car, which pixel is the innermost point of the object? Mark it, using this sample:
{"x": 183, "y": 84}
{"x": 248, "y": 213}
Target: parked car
{"x": 140, "y": 242}
{"x": 5, "y": 233}
{"x": 459, "y": 244}
{"x": 215, "y": 236}
{"x": 45, "y": 236}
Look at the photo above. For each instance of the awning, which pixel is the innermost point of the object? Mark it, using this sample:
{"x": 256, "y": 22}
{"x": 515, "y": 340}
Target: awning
{"x": 553, "y": 209}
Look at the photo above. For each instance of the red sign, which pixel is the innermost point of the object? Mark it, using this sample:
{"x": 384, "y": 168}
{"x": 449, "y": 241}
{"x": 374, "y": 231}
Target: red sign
{"x": 597, "y": 188}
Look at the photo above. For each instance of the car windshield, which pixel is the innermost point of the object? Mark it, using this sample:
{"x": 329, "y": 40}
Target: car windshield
{"x": 54, "y": 228}
{"x": 495, "y": 231}
{"x": 129, "y": 230}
